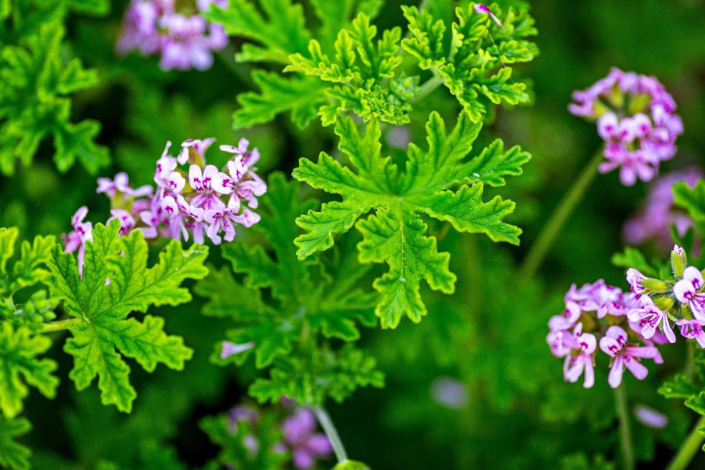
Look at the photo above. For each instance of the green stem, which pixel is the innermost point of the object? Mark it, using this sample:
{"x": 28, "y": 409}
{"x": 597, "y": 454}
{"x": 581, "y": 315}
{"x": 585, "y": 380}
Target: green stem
{"x": 625, "y": 429}
{"x": 331, "y": 432}
{"x": 689, "y": 448}
{"x": 428, "y": 87}
{"x": 59, "y": 325}
{"x": 560, "y": 215}
{"x": 689, "y": 368}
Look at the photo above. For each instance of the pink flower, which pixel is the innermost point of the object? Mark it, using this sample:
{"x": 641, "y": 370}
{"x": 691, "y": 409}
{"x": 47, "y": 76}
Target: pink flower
{"x": 560, "y": 342}
{"x": 636, "y": 140}
{"x": 653, "y": 318}
{"x": 127, "y": 222}
{"x": 634, "y": 278}
{"x": 614, "y": 344}
{"x": 184, "y": 40}
{"x": 196, "y": 145}
{"x": 575, "y": 364}
{"x": 567, "y": 319}
{"x": 692, "y": 329}
{"x": 178, "y": 212}
{"x": 230, "y": 349}
{"x": 76, "y": 240}
{"x": 686, "y": 291}
{"x": 166, "y": 176}
{"x": 202, "y": 183}
{"x": 306, "y": 444}
{"x": 482, "y": 9}
{"x": 121, "y": 185}
{"x": 633, "y": 165}
{"x": 597, "y": 297}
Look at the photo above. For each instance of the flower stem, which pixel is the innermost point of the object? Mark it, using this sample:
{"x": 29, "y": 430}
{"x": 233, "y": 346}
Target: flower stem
{"x": 331, "y": 432}
{"x": 689, "y": 448}
{"x": 59, "y": 325}
{"x": 555, "y": 224}
{"x": 689, "y": 368}
{"x": 625, "y": 429}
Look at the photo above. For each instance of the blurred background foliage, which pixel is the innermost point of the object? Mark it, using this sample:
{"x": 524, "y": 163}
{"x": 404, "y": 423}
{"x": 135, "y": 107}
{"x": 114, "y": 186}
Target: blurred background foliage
{"x": 486, "y": 344}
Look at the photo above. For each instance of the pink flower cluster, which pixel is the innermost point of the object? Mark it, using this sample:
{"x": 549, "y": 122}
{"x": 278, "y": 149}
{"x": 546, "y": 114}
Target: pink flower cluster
{"x": 636, "y": 119}
{"x": 601, "y": 309}
{"x": 182, "y": 40}
{"x": 653, "y": 220}
{"x": 189, "y": 200}
{"x": 300, "y": 436}
{"x": 630, "y": 324}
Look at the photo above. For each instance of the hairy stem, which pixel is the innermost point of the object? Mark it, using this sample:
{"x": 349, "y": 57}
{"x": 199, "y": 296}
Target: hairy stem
{"x": 59, "y": 325}
{"x": 331, "y": 432}
{"x": 689, "y": 448}
{"x": 560, "y": 215}
{"x": 625, "y": 429}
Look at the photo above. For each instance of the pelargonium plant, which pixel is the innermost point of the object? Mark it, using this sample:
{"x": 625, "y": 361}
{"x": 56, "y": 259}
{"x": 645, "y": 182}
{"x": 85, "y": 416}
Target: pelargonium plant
{"x": 331, "y": 265}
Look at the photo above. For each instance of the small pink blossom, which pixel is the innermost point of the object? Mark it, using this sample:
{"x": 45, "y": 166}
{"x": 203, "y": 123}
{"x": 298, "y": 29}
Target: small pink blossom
{"x": 76, "y": 240}
{"x": 567, "y": 319}
{"x": 582, "y": 360}
{"x": 614, "y": 344}
{"x": 483, "y": 9}
{"x": 687, "y": 291}
{"x": 306, "y": 445}
{"x": 692, "y": 329}
{"x": 653, "y": 317}
{"x": 231, "y": 349}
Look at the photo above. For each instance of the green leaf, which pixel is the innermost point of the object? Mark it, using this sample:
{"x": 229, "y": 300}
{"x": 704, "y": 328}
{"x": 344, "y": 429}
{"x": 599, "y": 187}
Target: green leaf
{"x": 26, "y": 272}
{"x": 473, "y": 63}
{"x": 679, "y": 387}
{"x": 18, "y": 359}
{"x": 305, "y": 298}
{"x": 326, "y": 373}
{"x": 278, "y": 26}
{"x": 12, "y": 454}
{"x": 364, "y": 71}
{"x": 697, "y": 403}
{"x": 35, "y": 103}
{"x": 102, "y": 332}
{"x": 493, "y": 164}
{"x": 633, "y": 258}
{"x": 335, "y": 16}
{"x": 693, "y": 201}
{"x": 299, "y": 95}
{"x": 434, "y": 182}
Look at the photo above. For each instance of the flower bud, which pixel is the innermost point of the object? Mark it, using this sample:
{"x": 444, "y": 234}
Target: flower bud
{"x": 663, "y": 302}
{"x": 678, "y": 261}
{"x": 654, "y": 285}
